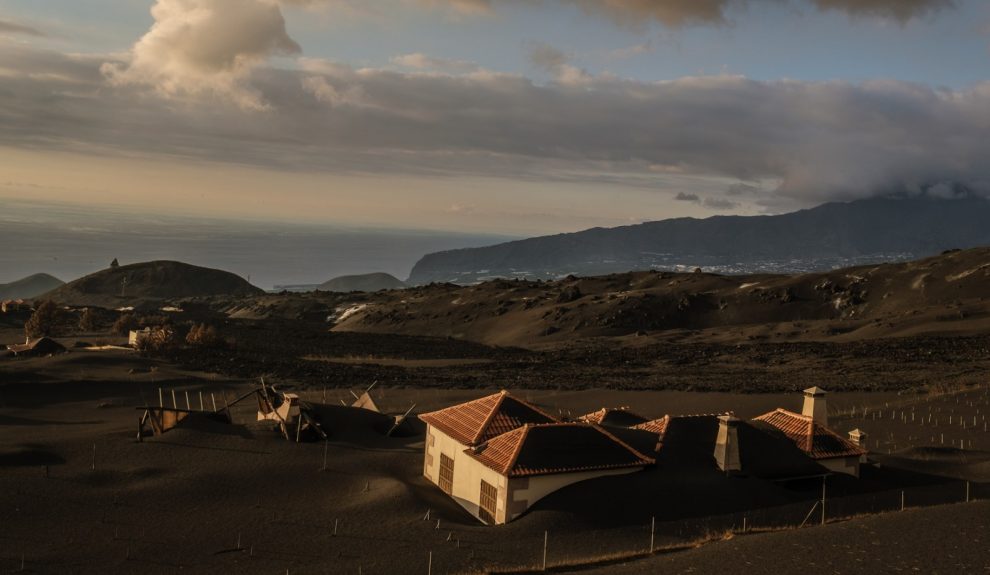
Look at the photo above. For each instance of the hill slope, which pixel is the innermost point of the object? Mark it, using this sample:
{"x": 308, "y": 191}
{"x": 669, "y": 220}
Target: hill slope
{"x": 363, "y": 282}
{"x": 150, "y": 281}
{"x": 946, "y": 294}
{"x": 826, "y": 237}
{"x": 29, "y": 287}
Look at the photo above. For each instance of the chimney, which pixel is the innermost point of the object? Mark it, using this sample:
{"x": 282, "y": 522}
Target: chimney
{"x": 727, "y": 444}
{"x": 858, "y": 438}
{"x": 814, "y": 405}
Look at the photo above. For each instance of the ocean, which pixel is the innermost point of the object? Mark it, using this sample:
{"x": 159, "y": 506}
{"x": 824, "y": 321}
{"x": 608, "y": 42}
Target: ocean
{"x": 70, "y": 241}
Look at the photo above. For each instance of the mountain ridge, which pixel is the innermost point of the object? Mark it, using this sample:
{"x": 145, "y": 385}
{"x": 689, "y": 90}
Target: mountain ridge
{"x": 150, "y": 281}
{"x": 30, "y": 286}
{"x": 828, "y": 236}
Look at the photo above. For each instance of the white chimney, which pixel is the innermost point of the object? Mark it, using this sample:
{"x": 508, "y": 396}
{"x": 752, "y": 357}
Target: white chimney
{"x": 858, "y": 437}
{"x": 727, "y": 444}
{"x": 814, "y": 405}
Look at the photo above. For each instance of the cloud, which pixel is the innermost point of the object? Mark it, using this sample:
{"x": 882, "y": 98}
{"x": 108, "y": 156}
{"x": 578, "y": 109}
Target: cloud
{"x": 902, "y": 10}
{"x": 420, "y": 61}
{"x": 206, "y": 46}
{"x": 557, "y": 63}
{"x": 680, "y": 13}
{"x": 685, "y": 197}
{"x": 781, "y": 142}
{"x": 719, "y": 204}
{"x": 7, "y": 27}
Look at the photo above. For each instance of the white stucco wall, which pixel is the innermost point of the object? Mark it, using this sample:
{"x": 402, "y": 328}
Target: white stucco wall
{"x": 525, "y": 491}
{"x": 846, "y": 465}
{"x": 468, "y": 473}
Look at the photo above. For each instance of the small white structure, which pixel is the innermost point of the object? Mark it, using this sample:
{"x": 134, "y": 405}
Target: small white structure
{"x": 136, "y": 337}
{"x": 497, "y": 456}
{"x": 815, "y": 406}
{"x": 809, "y": 431}
{"x": 727, "y": 444}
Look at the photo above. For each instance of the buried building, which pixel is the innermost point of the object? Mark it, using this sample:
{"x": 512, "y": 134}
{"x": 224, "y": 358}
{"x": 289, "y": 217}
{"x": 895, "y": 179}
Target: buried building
{"x": 498, "y": 455}
{"x": 809, "y": 431}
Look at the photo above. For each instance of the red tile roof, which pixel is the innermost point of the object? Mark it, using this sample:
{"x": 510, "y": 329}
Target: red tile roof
{"x": 658, "y": 426}
{"x": 816, "y": 440}
{"x": 477, "y": 421}
{"x": 619, "y": 416}
{"x": 556, "y": 448}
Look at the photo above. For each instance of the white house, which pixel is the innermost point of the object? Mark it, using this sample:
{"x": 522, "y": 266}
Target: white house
{"x": 497, "y": 456}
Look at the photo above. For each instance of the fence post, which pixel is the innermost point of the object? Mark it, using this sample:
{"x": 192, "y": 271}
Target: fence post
{"x": 429, "y": 565}
{"x": 823, "y": 499}
{"x": 902, "y": 500}
{"x": 546, "y": 538}
{"x": 967, "y": 492}
{"x": 653, "y": 526}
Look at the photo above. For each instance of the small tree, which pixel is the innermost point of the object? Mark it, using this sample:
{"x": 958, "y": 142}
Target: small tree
{"x": 114, "y": 263}
{"x": 87, "y": 321}
{"x": 43, "y": 321}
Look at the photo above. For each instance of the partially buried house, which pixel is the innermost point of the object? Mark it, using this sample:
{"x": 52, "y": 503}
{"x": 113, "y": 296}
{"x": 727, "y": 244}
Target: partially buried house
{"x": 498, "y": 455}
{"x": 810, "y": 433}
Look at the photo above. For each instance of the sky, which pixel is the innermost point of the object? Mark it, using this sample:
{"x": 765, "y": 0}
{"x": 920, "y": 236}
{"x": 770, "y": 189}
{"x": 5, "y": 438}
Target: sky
{"x": 512, "y": 117}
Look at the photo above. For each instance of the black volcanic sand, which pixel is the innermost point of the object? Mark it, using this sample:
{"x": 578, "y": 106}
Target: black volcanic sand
{"x": 937, "y": 540}
{"x": 304, "y": 352}
{"x": 182, "y": 500}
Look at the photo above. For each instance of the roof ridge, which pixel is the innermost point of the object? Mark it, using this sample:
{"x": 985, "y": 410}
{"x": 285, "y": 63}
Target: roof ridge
{"x": 524, "y": 433}
{"x": 609, "y": 434}
{"x": 491, "y": 415}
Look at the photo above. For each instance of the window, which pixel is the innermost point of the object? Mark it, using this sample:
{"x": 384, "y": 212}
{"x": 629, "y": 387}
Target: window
{"x": 446, "y": 474}
{"x": 489, "y": 495}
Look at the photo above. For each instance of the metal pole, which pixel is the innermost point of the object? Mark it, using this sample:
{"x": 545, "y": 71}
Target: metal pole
{"x": 175, "y": 404}
{"x": 653, "y": 529}
{"x": 823, "y": 499}
{"x": 546, "y": 538}
{"x": 429, "y": 566}
{"x": 161, "y": 400}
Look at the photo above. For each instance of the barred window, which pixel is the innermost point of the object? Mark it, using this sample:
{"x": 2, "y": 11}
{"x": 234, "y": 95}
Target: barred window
{"x": 446, "y": 474}
{"x": 489, "y": 495}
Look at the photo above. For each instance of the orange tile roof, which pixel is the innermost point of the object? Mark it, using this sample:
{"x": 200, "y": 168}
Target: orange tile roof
{"x": 477, "y": 421}
{"x": 816, "y": 440}
{"x": 620, "y": 416}
{"x": 556, "y": 448}
{"x": 658, "y": 426}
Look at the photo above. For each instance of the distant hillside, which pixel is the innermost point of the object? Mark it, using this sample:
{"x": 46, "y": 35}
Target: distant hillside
{"x": 158, "y": 280}
{"x": 29, "y": 287}
{"x": 363, "y": 282}
{"x": 826, "y": 237}
{"x": 945, "y": 294}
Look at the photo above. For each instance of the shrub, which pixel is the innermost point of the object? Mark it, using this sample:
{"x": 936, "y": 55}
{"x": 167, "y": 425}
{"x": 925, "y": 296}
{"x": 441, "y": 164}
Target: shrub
{"x": 162, "y": 338}
{"x": 43, "y": 321}
{"x": 205, "y": 336}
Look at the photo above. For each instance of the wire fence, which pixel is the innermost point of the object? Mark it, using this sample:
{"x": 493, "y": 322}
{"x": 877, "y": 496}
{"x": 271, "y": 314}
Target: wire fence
{"x": 563, "y": 548}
